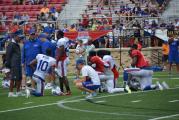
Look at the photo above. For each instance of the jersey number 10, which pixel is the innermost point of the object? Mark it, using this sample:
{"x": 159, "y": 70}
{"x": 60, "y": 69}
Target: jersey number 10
{"x": 43, "y": 65}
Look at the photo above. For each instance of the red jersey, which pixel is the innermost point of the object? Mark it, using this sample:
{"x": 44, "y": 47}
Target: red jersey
{"x": 115, "y": 72}
{"x": 99, "y": 63}
{"x": 141, "y": 61}
{"x": 60, "y": 55}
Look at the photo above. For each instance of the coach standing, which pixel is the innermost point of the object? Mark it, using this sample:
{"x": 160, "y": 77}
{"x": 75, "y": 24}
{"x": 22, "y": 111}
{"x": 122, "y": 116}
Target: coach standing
{"x": 31, "y": 48}
{"x": 13, "y": 62}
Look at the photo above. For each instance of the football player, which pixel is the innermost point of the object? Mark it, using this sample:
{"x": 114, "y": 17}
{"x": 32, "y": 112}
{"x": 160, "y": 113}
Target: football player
{"x": 45, "y": 63}
{"x": 105, "y": 74}
{"x": 62, "y": 62}
{"x": 141, "y": 79}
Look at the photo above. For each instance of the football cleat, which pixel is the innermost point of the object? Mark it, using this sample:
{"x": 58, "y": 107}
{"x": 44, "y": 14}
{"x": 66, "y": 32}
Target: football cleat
{"x": 165, "y": 85}
{"x": 20, "y": 94}
{"x": 90, "y": 96}
{"x": 11, "y": 94}
{"x": 127, "y": 89}
{"x": 48, "y": 86}
{"x": 27, "y": 93}
{"x": 159, "y": 85}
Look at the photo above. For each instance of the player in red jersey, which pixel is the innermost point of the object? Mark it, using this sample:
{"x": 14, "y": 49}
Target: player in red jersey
{"x": 62, "y": 62}
{"x": 138, "y": 59}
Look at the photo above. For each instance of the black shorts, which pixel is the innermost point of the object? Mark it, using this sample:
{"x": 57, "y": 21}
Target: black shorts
{"x": 16, "y": 73}
{"x": 165, "y": 58}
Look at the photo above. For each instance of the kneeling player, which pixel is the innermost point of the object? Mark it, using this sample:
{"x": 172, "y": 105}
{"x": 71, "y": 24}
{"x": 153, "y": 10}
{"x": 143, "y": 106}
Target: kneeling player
{"x": 45, "y": 63}
{"x": 90, "y": 81}
{"x": 141, "y": 79}
{"x": 106, "y": 76}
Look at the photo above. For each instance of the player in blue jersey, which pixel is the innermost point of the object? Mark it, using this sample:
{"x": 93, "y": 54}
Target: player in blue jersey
{"x": 173, "y": 53}
{"x": 31, "y": 48}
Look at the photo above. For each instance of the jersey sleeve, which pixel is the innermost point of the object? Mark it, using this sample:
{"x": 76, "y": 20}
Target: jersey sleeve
{"x": 84, "y": 72}
{"x": 134, "y": 53}
{"x": 38, "y": 56}
{"x": 53, "y": 63}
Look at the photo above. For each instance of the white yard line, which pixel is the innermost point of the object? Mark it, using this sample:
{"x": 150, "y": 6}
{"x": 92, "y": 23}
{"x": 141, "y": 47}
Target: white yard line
{"x": 164, "y": 117}
{"x": 28, "y": 103}
{"x": 136, "y": 101}
{"x": 172, "y": 101}
{"x": 30, "y": 107}
{"x": 61, "y": 105}
{"x": 102, "y": 101}
{"x": 77, "y": 100}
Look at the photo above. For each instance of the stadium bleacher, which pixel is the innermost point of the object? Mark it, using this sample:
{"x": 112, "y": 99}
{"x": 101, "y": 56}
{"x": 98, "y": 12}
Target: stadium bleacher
{"x": 7, "y": 7}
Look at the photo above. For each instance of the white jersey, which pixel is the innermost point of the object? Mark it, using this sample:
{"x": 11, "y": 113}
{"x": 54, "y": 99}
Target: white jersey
{"x": 90, "y": 72}
{"x": 109, "y": 59}
{"x": 79, "y": 49}
{"x": 64, "y": 42}
{"x": 44, "y": 63}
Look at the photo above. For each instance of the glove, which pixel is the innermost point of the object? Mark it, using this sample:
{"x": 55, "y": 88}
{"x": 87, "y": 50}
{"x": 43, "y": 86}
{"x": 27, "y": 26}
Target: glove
{"x": 93, "y": 65}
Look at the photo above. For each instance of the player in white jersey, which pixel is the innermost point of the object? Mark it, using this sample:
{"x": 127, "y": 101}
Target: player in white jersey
{"x": 90, "y": 81}
{"x": 62, "y": 62}
{"x": 45, "y": 66}
{"x": 141, "y": 79}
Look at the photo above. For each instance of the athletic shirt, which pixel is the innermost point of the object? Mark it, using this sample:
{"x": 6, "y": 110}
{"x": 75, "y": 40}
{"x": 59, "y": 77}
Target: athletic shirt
{"x": 165, "y": 49}
{"x": 99, "y": 63}
{"x": 109, "y": 59}
{"x": 174, "y": 47}
{"x": 62, "y": 42}
{"x": 44, "y": 63}
{"x": 88, "y": 71}
{"x": 141, "y": 61}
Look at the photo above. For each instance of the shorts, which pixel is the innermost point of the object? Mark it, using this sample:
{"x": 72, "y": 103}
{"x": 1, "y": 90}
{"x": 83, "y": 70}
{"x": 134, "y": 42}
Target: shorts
{"x": 89, "y": 85}
{"x": 164, "y": 58}
{"x": 29, "y": 71}
{"x": 62, "y": 67}
{"x": 173, "y": 58}
{"x": 16, "y": 73}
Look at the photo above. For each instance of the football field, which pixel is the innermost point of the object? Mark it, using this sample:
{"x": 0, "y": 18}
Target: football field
{"x": 149, "y": 105}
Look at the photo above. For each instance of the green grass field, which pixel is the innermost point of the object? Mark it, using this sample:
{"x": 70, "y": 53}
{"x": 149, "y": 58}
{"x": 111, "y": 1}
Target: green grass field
{"x": 150, "y": 105}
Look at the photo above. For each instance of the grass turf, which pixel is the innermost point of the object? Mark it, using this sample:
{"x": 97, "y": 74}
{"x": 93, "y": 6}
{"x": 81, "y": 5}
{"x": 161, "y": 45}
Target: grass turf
{"x": 135, "y": 106}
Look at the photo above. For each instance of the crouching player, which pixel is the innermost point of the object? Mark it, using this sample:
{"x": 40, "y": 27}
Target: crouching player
{"x": 45, "y": 63}
{"x": 141, "y": 79}
{"x": 90, "y": 81}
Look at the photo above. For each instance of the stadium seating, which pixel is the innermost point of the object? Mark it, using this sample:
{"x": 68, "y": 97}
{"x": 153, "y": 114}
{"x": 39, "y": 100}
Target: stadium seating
{"x": 9, "y": 8}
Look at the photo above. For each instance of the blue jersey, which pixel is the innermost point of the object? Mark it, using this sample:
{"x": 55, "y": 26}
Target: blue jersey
{"x": 47, "y": 44}
{"x": 30, "y": 51}
{"x": 54, "y": 44}
{"x": 174, "y": 47}
{"x": 173, "y": 56}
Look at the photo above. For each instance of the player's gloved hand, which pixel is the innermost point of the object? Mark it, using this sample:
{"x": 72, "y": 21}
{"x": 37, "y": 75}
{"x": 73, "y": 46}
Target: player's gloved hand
{"x": 5, "y": 70}
{"x": 56, "y": 72}
{"x": 93, "y": 65}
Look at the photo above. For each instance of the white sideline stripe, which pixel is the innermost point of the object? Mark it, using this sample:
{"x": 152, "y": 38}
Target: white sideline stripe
{"x": 44, "y": 105}
{"x": 172, "y": 101}
{"x": 28, "y": 103}
{"x": 164, "y": 117}
{"x": 135, "y": 101}
{"x": 30, "y": 107}
{"x": 61, "y": 104}
{"x": 175, "y": 78}
{"x": 100, "y": 101}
